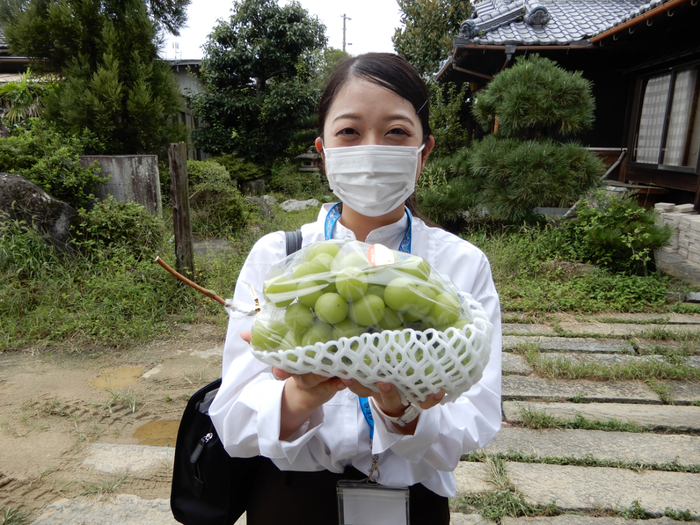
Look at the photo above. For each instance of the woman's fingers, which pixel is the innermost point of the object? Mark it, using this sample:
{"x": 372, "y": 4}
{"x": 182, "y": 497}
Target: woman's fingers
{"x": 246, "y": 336}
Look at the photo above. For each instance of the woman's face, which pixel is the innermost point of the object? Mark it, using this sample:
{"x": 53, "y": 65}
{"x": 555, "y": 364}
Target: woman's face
{"x": 365, "y": 113}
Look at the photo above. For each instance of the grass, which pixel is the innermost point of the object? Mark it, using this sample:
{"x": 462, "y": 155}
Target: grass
{"x": 672, "y": 366}
{"x": 12, "y": 516}
{"x": 539, "y": 419}
{"x": 113, "y": 299}
{"x": 584, "y": 461}
{"x": 104, "y": 486}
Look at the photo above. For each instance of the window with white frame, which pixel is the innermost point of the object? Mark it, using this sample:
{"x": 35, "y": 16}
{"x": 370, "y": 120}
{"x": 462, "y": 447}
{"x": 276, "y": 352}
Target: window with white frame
{"x": 668, "y": 129}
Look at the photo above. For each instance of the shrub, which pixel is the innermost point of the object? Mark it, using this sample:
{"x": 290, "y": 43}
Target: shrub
{"x": 238, "y": 169}
{"x": 217, "y": 208}
{"x": 111, "y": 225}
{"x": 24, "y": 251}
{"x": 447, "y": 105}
{"x": 617, "y": 233}
{"x": 515, "y": 177}
{"x": 295, "y": 184}
{"x": 50, "y": 160}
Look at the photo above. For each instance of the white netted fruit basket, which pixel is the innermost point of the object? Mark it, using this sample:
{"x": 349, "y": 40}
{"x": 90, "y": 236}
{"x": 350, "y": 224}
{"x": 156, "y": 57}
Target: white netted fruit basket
{"x": 419, "y": 363}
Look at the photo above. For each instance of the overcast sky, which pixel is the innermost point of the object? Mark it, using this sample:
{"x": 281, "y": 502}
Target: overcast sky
{"x": 371, "y": 28}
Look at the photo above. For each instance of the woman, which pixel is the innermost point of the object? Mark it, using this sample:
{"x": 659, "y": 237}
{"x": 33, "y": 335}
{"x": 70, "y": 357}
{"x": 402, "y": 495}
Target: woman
{"x": 375, "y": 139}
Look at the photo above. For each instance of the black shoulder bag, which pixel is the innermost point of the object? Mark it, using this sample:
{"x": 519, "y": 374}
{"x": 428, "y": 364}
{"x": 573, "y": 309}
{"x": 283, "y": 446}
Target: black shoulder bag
{"x": 210, "y": 487}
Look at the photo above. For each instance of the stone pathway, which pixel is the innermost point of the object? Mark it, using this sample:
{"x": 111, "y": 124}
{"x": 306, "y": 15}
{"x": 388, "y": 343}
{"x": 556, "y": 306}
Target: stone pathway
{"x": 647, "y": 465}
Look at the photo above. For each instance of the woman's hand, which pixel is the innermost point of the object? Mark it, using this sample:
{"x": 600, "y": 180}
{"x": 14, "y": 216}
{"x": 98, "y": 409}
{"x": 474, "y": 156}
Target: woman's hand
{"x": 302, "y": 395}
{"x": 389, "y": 401}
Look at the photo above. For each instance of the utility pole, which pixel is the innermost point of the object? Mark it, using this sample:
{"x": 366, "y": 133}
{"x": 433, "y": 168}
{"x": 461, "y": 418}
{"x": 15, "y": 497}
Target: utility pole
{"x": 344, "y": 19}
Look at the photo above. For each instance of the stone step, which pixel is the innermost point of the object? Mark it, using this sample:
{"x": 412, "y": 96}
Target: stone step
{"x": 533, "y": 387}
{"x": 612, "y": 359}
{"x": 570, "y": 344}
{"x": 663, "y": 417}
{"x": 114, "y": 459}
{"x": 599, "y": 329}
{"x": 576, "y": 519}
{"x": 596, "y": 489}
{"x": 647, "y": 448}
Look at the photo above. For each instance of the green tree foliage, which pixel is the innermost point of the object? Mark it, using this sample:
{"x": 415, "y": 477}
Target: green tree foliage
{"x": 257, "y": 69}
{"x": 326, "y": 62}
{"x": 169, "y": 14}
{"x": 534, "y": 98}
{"x": 520, "y": 168}
{"x": 106, "y": 53}
{"x": 429, "y": 25}
{"x": 448, "y": 104}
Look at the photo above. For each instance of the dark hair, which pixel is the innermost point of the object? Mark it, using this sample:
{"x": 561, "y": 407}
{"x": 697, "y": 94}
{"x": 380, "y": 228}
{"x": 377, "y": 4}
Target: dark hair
{"x": 393, "y": 73}
{"x": 386, "y": 70}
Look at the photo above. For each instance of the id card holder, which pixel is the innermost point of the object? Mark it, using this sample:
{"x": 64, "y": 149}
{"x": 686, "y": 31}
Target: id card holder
{"x": 367, "y": 503}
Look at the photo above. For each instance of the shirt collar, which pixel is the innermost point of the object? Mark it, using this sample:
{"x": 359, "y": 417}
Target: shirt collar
{"x": 390, "y": 235}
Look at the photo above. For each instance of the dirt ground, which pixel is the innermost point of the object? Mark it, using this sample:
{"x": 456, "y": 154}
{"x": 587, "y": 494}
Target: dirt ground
{"x": 55, "y": 404}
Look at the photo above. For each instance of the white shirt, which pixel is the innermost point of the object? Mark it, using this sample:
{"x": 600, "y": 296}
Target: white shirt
{"x": 246, "y": 411}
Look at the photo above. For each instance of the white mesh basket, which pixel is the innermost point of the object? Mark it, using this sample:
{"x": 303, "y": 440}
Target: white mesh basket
{"x": 419, "y": 363}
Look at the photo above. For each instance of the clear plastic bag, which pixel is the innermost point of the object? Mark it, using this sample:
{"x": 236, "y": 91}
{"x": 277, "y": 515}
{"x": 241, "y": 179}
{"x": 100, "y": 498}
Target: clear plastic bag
{"x": 372, "y": 314}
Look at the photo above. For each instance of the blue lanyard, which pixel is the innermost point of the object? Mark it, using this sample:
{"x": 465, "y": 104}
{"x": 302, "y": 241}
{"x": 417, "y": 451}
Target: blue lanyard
{"x": 334, "y": 215}
{"x": 405, "y": 246}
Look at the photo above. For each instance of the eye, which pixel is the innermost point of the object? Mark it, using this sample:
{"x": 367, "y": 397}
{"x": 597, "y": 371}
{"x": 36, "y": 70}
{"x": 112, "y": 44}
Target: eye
{"x": 397, "y": 131}
{"x": 346, "y": 131}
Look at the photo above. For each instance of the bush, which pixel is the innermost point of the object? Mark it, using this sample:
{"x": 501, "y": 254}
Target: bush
{"x": 515, "y": 176}
{"x": 617, "y": 233}
{"x": 110, "y": 225}
{"x": 217, "y": 208}
{"x": 447, "y": 105}
{"x": 238, "y": 169}
{"x": 24, "y": 251}
{"x": 50, "y": 160}
{"x": 295, "y": 184}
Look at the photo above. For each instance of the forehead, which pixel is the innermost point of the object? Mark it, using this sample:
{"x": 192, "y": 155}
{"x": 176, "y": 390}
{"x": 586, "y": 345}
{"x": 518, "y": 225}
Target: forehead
{"x": 366, "y": 99}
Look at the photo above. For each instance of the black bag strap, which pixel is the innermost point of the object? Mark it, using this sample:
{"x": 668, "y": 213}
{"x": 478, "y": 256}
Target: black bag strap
{"x": 293, "y": 241}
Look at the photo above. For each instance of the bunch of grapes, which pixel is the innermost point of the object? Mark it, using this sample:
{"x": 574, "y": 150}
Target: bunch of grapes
{"x": 331, "y": 290}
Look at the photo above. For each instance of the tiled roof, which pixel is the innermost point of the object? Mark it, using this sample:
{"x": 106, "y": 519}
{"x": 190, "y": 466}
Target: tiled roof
{"x": 548, "y": 22}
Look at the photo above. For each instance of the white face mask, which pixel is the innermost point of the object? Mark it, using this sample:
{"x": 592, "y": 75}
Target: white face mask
{"x": 373, "y": 180}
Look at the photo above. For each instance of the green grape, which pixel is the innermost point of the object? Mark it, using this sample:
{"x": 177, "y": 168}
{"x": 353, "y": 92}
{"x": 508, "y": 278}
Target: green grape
{"x": 319, "y": 332}
{"x": 308, "y": 268}
{"x": 352, "y": 259}
{"x": 375, "y": 289}
{"x": 331, "y": 308}
{"x": 367, "y": 310}
{"x": 415, "y": 266}
{"x": 280, "y": 291}
{"x": 391, "y": 320}
{"x": 291, "y": 340}
{"x": 323, "y": 260}
{"x": 298, "y": 317}
{"x": 445, "y": 310}
{"x": 402, "y": 294}
{"x": 309, "y": 292}
{"x": 347, "y": 328}
{"x": 351, "y": 283}
{"x": 326, "y": 247}
{"x": 423, "y": 300}
{"x": 267, "y": 335}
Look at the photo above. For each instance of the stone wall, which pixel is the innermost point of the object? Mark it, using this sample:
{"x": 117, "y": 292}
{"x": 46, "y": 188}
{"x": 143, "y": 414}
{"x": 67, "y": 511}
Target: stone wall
{"x": 685, "y": 243}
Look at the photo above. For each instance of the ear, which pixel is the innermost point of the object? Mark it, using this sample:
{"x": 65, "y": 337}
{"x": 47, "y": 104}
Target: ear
{"x": 429, "y": 145}
{"x": 319, "y": 145}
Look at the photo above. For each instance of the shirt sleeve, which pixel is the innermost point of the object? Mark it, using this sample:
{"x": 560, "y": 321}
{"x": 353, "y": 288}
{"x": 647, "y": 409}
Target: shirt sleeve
{"x": 445, "y": 432}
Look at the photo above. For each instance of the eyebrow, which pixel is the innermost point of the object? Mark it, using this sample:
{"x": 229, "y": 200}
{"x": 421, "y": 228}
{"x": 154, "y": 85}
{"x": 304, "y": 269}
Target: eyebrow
{"x": 355, "y": 116}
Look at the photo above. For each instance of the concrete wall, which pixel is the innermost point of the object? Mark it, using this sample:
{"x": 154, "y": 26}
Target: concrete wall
{"x": 134, "y": 178}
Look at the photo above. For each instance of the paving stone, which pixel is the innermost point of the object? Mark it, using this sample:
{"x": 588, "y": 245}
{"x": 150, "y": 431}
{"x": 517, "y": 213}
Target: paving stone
{"x": 570, "y": 344}
{"x": 533, "y": 387}
{"x": 515, "y": 364}
{"x": 647, "y": 448}
{"x": 127, "y": 458}
{"x": 611, "y": 359}
{"x": 588, "y": 488}
{"x": 622, "y": 329}
{"x": 575, "y": 519}
{"x": 670, "y": 317}
{"x": 683, "y": 392}
{"x": 467, "y": 519}
{"x": 526, "y": 329}
{"x": 677, "y": 418}
{"x": 470, "y": 477}
{"x": 123, "y": 509}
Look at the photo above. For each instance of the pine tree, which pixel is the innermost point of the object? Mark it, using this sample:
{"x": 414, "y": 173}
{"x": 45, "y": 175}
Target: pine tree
{"x": 106, "y": 53}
